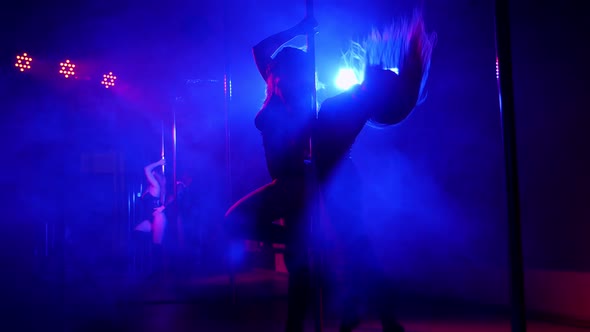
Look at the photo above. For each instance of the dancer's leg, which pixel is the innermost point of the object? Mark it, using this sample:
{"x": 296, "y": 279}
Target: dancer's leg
{"x": 341, "y": 197}
{"x": 251, "y": 217}
{"x": 297, "y": 261}
{"x": 381, "y": 296}
{"x": 158, "y": 227}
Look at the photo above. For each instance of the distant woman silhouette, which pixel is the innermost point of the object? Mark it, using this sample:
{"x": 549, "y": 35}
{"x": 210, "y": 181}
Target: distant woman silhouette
{"x": 153, "y": 215}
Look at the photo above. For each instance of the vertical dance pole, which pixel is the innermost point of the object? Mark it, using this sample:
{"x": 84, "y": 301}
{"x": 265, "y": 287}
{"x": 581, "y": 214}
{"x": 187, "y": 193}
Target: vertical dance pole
{"x": 179, "y": 225}
{"x": 227, "y": 96}
{"x": 174, "y": 174}
{"x": 506, "y": 96}
{"x": 311, "y": 51}
{"x": 316, "y": 257}
{"x": 163, "y": 149}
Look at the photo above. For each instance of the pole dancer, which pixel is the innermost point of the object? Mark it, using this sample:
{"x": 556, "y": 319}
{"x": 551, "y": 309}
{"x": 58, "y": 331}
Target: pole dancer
{"x": 384, "y": 98}
{"x": 285, "y": 122}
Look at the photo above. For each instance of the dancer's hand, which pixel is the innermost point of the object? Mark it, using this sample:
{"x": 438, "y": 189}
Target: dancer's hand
{"x": 161, "y": 162}
{"x": 159, "y": 209}
{"x": 307, "y": 26}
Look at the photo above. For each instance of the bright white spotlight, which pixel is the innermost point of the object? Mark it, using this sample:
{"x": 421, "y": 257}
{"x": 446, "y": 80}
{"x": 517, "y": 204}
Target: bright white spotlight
{"x": 23, "y": 62}
{"x": 346, "y": 79}
{"x": 67, "y": 68}
{"x": 108, "y": 80}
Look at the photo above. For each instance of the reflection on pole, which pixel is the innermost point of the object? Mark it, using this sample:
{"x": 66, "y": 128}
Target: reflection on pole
{"x": 227, "y": 96}
{"x": 163, "y": 148}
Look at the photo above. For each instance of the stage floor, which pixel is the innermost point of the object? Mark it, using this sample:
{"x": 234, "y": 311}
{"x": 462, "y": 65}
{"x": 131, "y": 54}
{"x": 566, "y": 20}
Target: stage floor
{"x": 204, "y": 304}
{"x": 115, "y": 303}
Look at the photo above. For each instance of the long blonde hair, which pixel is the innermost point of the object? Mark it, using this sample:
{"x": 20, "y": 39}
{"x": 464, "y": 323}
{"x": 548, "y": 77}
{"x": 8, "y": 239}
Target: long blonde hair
{"x": 404, "y": 46}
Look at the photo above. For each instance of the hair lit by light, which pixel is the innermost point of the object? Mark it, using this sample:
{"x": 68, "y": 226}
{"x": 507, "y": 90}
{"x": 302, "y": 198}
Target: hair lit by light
{"x": 394, "y": 69}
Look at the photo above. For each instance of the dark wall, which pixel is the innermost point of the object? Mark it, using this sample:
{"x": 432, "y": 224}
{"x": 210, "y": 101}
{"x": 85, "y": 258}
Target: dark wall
{"x": 550, "y": 70}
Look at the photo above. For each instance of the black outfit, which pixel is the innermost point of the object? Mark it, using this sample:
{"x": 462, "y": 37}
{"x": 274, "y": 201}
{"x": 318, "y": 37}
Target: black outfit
{"x": 285, "y": 135}
{"x": 340, "y": 120}
{"x": 149, "y": 203}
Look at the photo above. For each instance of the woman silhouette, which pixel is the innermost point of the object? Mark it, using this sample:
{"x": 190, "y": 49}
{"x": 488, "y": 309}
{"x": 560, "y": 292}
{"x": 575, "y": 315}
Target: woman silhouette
{"x": 285, "y": 122}
{"x": 384, "y": 98}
